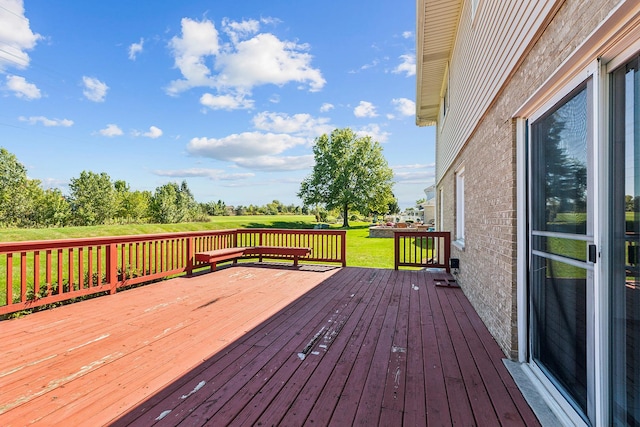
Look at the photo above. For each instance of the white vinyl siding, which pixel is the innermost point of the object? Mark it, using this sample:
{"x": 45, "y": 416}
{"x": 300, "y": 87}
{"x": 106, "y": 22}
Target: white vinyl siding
{"x": 485, "y": 54}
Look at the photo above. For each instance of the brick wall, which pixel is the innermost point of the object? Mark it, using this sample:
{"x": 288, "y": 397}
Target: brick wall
{"x": 488, "y": 260}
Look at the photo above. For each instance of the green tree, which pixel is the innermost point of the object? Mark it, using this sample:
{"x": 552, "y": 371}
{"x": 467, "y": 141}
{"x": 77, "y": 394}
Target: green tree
{"x": 212, "y": 208}
{"x": 173, "y": 203}
{"x": 133, "y": 206}
{"x": 51, "y": 209}
{"x": 350, "y": 172}
{"x": 629, "y": 203}
{"x": 14, "y": 186}
{"x": 165, "y": 206}
{"x": 92, "y": 198}
{"x": 393, "y": 207}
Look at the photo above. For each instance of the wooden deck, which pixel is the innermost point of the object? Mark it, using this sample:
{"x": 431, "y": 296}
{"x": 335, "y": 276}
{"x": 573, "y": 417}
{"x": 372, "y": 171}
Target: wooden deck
{"x": 258, "y": 345}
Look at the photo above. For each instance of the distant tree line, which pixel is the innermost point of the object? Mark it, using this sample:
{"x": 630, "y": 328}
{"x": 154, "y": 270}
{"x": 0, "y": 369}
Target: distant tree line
{"x": 96, "y": 199}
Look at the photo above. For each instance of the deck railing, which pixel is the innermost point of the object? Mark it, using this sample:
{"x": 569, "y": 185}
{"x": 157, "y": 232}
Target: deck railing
{"x": 38, "y": 273}
{"x": 429, "y": 249}
{"x": 325, "y": 245}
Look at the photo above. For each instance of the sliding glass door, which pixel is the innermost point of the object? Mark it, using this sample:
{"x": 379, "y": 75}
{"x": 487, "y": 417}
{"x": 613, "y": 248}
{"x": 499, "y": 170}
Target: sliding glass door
{"x": 624, "y": 261}
{"x": 561, "y": 247}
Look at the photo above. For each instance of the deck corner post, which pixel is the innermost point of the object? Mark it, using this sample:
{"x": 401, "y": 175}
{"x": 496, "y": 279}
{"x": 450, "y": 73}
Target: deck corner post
{"x": 396, "y": 251}
{"x": 112, "y": 267}
{"x": 190, "y": 255}
{"x": 447, "y": 251}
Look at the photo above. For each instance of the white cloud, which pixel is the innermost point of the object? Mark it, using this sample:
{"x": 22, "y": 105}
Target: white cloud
{"x": 298, "y": 124}
{"x": 135, "y": 49}
{"x": 240, "y": 30}
{"x": 94, "y": 89}
{"x": 365, "y": 109}
{"x": 46, "y": 122}
{"x": 326, "y": 107}
{"x": 407, "y": 66}
{"x": 407, "y": 34}
{"x": 111, "y": 130}
{"x": 264, "y": 59}
{"x": 199, "y": 40}
{"x": 226, "y": 102}
{"x": 237, "y": 147}
{"x": 22, "y": 89}
{"x": 153, "y": 133}
{"x": 404, "y": 106}
{"x": 274, "y": 99}
{"x": 415, "y": 177}
{"x": 51, "y": 183}
{"x": 214, "y": 174}
{"x": 242, "y": 64}
{"x": 414, "y": 173}
{"x": 278, "y": 163}
{"x": 16, "y": 36}
{"x": 374, "y": 132}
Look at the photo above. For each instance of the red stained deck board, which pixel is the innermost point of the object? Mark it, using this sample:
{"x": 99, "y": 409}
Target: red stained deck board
{"x": 223, "y": 347}
{"x": 234, "y": 398}
{"x": 437, "y": 351}
{"x": 505, "y": 409}
{"x": 370, "y": 403}
{"x": 272, "y": 336}
{"x": 286, "y": 372}
{"x": 415, "y": 410}
{"x": 334, "y": 351}
{"x": 354, "y": 388}
{"x": 341, "y": 320}
{"x": 482, "y": 408}
{"x": 141, "y": 364}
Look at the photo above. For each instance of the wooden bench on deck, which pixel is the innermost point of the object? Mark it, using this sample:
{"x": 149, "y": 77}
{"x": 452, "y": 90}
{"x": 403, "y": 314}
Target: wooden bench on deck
{"x": 214, "y": 256}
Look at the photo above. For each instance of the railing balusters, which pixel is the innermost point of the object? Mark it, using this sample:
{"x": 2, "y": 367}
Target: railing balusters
{"x": 85, "y": 266}
{"x": 422, "y": 249}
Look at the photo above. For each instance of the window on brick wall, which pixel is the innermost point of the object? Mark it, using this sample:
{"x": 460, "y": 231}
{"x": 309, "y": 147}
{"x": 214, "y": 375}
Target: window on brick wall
{"x": 441, "y": 213}
{"x": 460, "y": 206}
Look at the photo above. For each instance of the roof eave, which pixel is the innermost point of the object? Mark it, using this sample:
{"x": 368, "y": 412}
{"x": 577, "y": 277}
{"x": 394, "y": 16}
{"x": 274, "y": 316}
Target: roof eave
{"x": 436, "y": 27}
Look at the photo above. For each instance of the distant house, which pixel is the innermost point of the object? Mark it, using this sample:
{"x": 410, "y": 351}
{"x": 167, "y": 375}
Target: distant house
{"x": 536, "y": 106}
{"x": 428, "y": 207}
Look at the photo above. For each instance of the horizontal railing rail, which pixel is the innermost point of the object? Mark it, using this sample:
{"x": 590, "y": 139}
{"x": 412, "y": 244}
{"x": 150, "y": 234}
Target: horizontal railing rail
{"x": 428, "y": 249}
{"x": 39, "y": 273}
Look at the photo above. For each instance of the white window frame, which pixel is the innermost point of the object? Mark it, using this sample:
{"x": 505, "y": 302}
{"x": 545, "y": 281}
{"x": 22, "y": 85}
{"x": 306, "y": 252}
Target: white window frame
{"x": 441, "y": 210}
{"x": 474, "y": 8}
{"x": 460, "y": 208}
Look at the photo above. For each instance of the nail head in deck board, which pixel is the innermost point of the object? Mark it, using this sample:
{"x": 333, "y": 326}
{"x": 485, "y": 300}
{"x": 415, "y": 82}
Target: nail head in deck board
{"x": 182, "y": 356}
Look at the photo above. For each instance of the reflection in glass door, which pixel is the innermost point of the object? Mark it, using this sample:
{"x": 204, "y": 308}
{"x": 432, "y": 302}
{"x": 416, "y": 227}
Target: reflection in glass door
{"x": 560, "y": 235}
{"x": 625, "y": 248}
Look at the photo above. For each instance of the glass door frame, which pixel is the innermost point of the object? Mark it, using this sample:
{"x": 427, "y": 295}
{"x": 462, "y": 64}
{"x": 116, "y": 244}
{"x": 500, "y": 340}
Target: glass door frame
{"x": 596, "y": 329}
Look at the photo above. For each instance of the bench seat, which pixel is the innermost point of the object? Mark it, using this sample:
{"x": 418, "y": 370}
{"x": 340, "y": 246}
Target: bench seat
{"x": 278, "y": 250}
{"x": 214, "y": 256}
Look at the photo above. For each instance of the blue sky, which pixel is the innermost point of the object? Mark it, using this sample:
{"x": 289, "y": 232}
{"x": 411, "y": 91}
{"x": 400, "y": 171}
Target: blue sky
{"x": 227, "y": 95}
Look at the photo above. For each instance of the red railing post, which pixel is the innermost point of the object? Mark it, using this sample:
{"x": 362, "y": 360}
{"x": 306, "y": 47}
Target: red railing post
{"x": 343, "y": 248}
{"x": 9, "y": 278}
{"x": 190, "y": 255}
{"x": 396, "y": 251}
{"x": 447, "y": 251}
{"x": 112, "y": 267}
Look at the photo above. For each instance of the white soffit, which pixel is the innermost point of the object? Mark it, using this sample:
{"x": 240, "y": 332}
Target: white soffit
{"x": 436, "y": 26}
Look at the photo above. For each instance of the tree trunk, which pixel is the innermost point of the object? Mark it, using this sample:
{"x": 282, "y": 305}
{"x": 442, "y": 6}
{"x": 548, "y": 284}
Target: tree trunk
{"x": 345, "y": 216}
